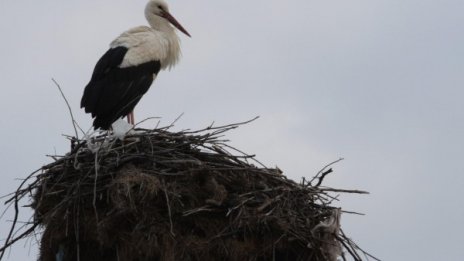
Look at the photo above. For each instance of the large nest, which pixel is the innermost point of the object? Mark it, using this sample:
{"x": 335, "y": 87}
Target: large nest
{"x": 162, "y": 195}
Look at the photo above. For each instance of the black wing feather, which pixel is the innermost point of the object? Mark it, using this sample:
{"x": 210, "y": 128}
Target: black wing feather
{"x": 113, "y": 92}
{"x": 108, "y": 62}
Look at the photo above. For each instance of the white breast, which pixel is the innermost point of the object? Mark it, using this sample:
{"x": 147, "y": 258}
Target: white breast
{"x": 145, "y": 45}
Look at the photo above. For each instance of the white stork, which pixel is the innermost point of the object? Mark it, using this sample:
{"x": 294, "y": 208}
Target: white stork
{"x": 126, "y": 71}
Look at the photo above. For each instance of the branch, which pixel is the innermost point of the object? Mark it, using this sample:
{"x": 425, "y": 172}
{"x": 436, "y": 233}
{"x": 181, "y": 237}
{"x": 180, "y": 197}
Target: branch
{"x": 322, "y": 173}
{"x": 69, "y": 108}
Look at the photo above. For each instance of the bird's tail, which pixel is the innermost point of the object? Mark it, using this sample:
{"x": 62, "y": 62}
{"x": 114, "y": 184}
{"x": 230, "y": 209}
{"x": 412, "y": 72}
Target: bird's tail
{"x": 103, "y": 123}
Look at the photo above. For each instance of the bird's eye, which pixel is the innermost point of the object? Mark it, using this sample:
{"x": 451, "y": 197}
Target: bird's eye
{"x": 160, "y": 7}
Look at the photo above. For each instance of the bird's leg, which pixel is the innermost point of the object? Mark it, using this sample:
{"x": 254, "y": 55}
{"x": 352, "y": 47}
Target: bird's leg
{"x": 129, "y": 118}
{"x": 132, "y": 118}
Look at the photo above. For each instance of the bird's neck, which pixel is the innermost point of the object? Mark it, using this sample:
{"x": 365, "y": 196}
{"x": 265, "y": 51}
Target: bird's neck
{"x": 161, "y": 25}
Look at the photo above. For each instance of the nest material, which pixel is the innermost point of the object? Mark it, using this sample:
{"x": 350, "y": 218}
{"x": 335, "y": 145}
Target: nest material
{"x": 161, "y": 195}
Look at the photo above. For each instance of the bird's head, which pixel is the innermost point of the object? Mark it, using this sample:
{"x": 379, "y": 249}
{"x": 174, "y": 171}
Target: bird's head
{"x": 156, "y": 9}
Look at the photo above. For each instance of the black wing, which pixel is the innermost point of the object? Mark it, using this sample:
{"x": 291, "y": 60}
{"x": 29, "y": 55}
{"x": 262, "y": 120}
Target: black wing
{"x": 113, "y": 92}
{"x": 108, "y": 62}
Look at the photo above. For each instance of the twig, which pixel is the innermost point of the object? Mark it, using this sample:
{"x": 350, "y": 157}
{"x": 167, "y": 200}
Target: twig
{"x": 354, "y": 245}
{"x": 94, "y": 202}
{"x": 321, "y": 178}
{"x": 69, "y": 108}
{"x": 169, "y": 210}
{"x": 345, "y": 190}
{"x": 17, "y": 238}
{"x": 322, "y": 173}
{"x": 144, "y": 120}
{"x": 223, "y": 127}
{"x": 178, "y": 118}
{"x": 16, "y": 198}
{"x": 15, "y": 219}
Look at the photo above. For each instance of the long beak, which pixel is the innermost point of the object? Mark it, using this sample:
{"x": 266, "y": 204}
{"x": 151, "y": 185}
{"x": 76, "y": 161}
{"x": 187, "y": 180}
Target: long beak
{"x": 174, "y": 22}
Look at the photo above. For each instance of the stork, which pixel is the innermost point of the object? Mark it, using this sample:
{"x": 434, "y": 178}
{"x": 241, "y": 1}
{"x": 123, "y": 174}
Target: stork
{"x": 126, "y": 71}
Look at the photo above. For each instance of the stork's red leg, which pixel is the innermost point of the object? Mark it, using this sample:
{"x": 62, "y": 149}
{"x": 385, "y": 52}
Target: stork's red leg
{"x": 131, "y": 118}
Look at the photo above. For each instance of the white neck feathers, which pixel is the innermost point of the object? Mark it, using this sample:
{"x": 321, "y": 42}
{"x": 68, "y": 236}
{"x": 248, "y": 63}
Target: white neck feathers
{"x": 162, "y": 26}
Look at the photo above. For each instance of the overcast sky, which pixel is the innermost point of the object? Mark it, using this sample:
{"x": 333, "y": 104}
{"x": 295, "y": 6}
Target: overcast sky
{"x": 379, "y": 83}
